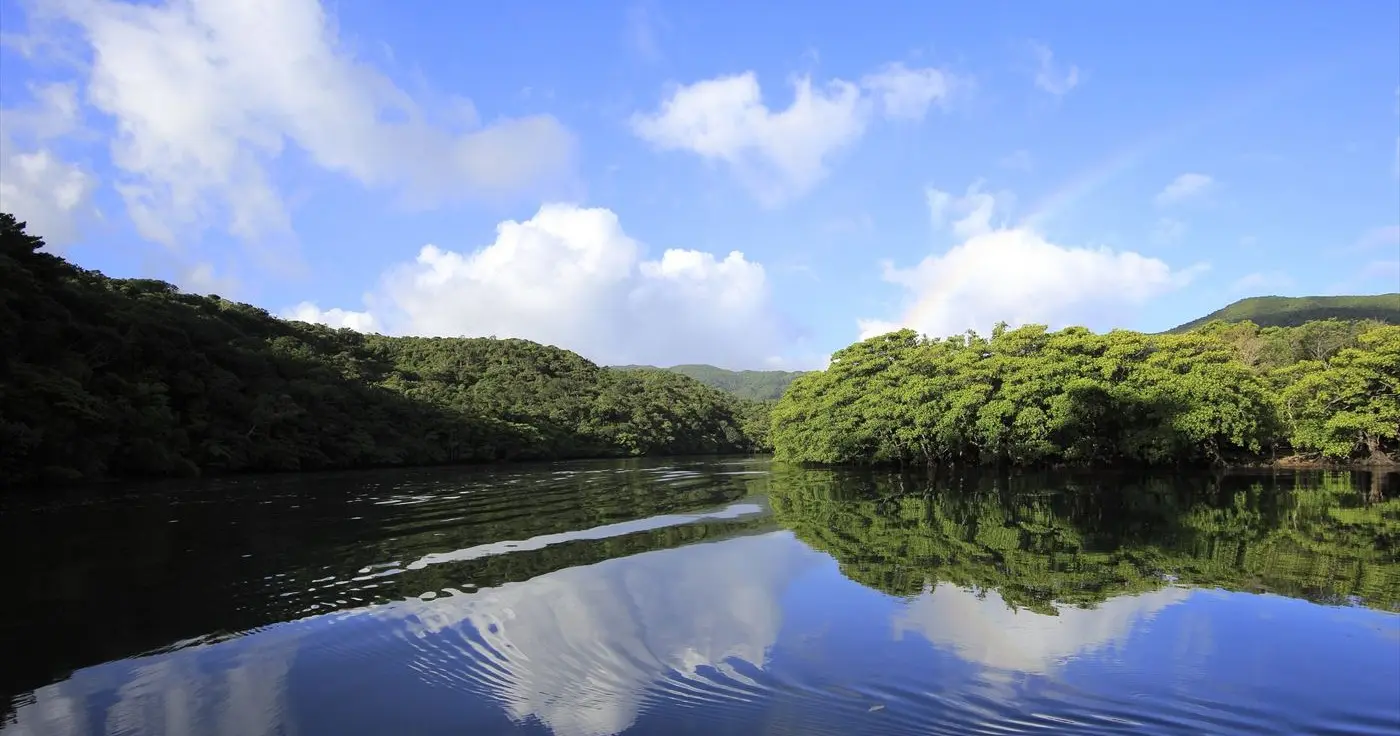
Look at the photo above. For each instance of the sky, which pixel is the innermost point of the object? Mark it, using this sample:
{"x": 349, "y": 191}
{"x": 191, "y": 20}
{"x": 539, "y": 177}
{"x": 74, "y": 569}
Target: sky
{"x": 751, "y": 185}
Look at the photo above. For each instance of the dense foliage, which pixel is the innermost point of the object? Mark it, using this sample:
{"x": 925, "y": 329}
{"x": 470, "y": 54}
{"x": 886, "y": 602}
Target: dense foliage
{"x": 1293, "y": 311}
{"x": 1044, "y": 541}
{"x": 1029, "y": 397}
{"x": 110, "y": 377}
{"x": 752, "y": 385}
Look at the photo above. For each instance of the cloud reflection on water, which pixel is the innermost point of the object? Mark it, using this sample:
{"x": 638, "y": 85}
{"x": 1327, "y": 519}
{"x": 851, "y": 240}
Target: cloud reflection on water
{"x": 981, "y": 628}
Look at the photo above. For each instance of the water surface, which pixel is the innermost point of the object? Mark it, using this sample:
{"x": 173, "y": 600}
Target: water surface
{"x": 709, "y": 596}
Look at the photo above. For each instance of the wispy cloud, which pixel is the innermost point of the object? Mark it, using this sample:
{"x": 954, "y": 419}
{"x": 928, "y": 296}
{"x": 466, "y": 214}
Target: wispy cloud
{"x": 1168, "y": 231}
{"x": 1057, "y": 80}
{"x": 1184, "y": 188}
{"x": 1378, "y": 238}
{"x": 643, "y": 30}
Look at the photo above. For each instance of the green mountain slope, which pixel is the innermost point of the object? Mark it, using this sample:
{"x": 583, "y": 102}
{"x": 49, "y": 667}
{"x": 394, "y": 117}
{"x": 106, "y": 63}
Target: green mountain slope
{"x": 105, "y": 378}
{"x": 752, "y": 385}
{"x": 1292, "y": 311}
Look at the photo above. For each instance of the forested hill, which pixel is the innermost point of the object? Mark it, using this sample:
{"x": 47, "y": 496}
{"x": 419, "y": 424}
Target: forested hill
{"x": 1029, "y": 397}
{"x": 107, "y": 377}
{"x": 753, "y": 385}
{"x": 1293, "y": 311}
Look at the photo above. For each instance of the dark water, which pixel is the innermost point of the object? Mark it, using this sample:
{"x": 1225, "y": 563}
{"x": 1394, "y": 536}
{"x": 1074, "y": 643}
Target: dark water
{"x": 714, "y": 597}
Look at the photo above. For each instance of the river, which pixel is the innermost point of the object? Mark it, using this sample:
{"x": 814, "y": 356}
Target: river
{"x": 711, "y": 596}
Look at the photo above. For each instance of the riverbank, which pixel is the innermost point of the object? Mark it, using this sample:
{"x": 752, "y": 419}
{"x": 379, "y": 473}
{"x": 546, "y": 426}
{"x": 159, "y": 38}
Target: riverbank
{"x": 1305, "y": 462}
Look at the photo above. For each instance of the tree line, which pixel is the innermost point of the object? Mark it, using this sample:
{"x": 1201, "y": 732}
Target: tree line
{"x": 1029, "y": 396}
{"x": 109, "y": 378}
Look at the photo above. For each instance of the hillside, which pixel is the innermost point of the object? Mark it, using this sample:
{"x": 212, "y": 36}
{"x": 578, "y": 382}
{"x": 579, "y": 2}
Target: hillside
{"x": 751, "y": 385}
{"x": 1292, "y": 311}
{"x": 108, "y": 378}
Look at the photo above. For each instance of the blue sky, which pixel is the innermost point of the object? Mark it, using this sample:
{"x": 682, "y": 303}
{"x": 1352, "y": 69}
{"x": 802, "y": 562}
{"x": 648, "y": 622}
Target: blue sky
{"x": 744, "y": 184}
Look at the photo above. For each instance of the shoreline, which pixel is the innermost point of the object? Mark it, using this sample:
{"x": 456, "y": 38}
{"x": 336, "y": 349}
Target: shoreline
{"x": 1302, "y": 462}
{"x": 1291, "y": 462}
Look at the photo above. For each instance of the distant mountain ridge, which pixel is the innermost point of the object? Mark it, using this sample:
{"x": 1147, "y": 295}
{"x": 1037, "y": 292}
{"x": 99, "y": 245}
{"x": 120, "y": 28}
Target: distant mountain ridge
{"x": 1292, "y": 311}
{"x": 753, "y": 385}
{"x": 1265, "y": 311}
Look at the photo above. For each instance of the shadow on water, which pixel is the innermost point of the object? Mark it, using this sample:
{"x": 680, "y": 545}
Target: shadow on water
{"x": 593, "y": 598}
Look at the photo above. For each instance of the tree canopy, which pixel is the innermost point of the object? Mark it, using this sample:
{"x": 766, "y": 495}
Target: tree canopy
{"x": 1032, "y": 397}
{"x": 106, "y": 377}
{"x": 752, "y": 385}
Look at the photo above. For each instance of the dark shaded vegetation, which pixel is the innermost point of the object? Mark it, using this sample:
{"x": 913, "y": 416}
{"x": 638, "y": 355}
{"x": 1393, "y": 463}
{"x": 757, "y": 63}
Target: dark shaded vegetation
{"x": 1221, "y": 394}
{"x": 1045, "y": 540}
{"x": 106, "y": 378}
{"x": 1294, "y": 311}
{"x": 752, "y": 385}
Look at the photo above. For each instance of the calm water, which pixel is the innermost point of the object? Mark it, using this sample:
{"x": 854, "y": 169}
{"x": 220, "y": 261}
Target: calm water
{"x": 710, "y": 597}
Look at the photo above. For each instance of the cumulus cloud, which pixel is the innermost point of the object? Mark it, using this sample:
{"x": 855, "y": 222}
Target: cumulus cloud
{"x": 1057, "y": 81}
{"x": 1016, "y": 275}
{"x": 571, "y": 277}
{"x": 336, "y": 317}
{"x": 780, "y": 155}
{"x": 52, "y": 195}
{"x": 1185, "y": 188}
{"x": 205, "y": 96}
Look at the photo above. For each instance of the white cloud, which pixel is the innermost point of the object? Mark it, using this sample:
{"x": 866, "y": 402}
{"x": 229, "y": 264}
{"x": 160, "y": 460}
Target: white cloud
{"x": 45, "y": 192}
{"x": 780, "y": 155}
{"x": 571, "y": 277}
{"x": 907, "y": 94}
{"x": 1017, "y": 276}
{"x": 981, "y": 628}
{"x": 1056, "y": 81}
{"x": 968, "y": 215}
{"x": 51, "y": 195}
{"x": 1184, "y": 188}
{"x": 202, "y": 278}
{"x": 1260, "y": 282}
{"x": 337, "y": 318}
{"x": 205, "y": 96}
